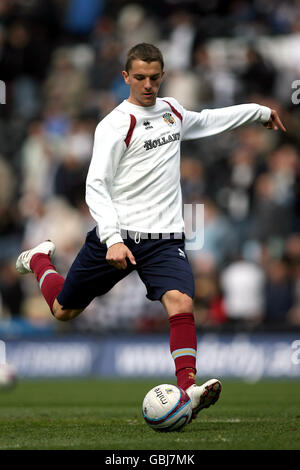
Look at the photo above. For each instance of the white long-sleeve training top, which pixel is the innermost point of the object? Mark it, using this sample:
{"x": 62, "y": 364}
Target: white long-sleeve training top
{"x": 133, "y": 182}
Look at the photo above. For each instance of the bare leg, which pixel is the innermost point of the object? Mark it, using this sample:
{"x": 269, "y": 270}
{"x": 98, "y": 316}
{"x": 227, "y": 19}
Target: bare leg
{"x": 64, "y": 314}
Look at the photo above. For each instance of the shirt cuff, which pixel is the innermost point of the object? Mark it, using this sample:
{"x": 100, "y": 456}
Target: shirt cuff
{"x": 265, "y": 113}
{"x": 115, "y": 238}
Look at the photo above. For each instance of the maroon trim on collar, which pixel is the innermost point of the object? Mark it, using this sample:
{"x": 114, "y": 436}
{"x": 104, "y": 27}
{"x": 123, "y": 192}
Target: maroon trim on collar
{"x": 131, "y": 129}
{"x": 177, "y": 113}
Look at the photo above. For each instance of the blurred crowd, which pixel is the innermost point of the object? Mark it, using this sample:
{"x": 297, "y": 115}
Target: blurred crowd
{"x": 61, "y": 63}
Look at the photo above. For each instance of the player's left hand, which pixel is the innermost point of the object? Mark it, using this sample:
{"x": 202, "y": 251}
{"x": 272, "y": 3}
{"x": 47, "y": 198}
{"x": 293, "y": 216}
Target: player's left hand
{"x": 274, "y": 122}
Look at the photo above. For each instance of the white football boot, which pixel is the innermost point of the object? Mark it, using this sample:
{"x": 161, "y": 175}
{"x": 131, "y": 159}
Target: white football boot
{"x": 202, "y": 396}
{"x": 23, "y": 261}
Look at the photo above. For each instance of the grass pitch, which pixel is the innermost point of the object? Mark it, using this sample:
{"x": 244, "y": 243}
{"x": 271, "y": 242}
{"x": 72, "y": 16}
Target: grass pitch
{"x": 101, "y": 414}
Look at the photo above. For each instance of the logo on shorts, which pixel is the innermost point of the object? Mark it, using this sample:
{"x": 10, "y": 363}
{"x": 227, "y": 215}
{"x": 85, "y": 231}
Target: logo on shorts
{"x": 181, "y": 252}
{"x": 168, "y": 118}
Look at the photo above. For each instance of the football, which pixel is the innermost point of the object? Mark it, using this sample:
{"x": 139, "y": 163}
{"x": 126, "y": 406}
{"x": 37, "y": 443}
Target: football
{"x": 8, "y": 377}
{"x": 167, "y": 408}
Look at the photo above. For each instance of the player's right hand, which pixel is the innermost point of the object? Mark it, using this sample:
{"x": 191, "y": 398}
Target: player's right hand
{"x": 116, "y": 255}
{"x": 274, "y": 122}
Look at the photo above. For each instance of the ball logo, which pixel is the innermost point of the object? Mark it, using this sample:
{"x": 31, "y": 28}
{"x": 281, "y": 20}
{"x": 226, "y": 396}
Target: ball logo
{"x": 160, "y": 395}
{"x": 168, "y": 118}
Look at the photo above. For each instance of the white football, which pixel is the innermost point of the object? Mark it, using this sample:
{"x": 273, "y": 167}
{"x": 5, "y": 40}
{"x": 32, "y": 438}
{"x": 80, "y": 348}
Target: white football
{"x": 167, "y": 408}
{"x": 8, "y": 377}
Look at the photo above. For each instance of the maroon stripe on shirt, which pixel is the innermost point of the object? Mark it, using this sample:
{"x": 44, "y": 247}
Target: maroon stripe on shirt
{"x": 130, "y": 131}
{"x": 177, "y": 113}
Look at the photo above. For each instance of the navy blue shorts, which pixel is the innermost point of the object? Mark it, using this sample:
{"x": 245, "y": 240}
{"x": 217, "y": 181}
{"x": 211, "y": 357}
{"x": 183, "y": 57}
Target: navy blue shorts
{"x": 162, "y": 265}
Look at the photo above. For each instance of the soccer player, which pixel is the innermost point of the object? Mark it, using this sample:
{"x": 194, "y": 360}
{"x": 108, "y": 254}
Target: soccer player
{"x": 133, "y": 193}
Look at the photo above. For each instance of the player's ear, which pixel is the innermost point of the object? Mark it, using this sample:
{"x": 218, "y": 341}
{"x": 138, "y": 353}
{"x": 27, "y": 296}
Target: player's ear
{"x": 125, "y": 76}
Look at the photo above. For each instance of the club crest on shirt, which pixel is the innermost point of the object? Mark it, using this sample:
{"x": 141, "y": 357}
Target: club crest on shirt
{"x": 168, "y": 118}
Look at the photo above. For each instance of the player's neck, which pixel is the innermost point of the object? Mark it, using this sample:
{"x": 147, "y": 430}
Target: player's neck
{"x": 135, "y": 102}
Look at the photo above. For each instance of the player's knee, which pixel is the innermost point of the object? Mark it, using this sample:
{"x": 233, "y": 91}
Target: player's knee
{"x": 62, "y": 314}
{"x": 177, "y": 302}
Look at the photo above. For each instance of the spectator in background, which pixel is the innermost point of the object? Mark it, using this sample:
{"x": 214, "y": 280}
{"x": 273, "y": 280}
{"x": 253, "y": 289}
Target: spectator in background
{"x": 284, "y": 167}
{"x": 202, "y": 66}
{"x": 279, "y": 293}
{"x": 243, "y": 170}
{"x": 258, "y": 76}
{"x": 10, "y": 226}
{"x": 11, "y": 291}
{"x": 181, "y": 40}
{"x": 65, "y": 84}
{"x": 219, "y": 238}
{"x": 292, "y": 254}
{"x": 266, "y": 211}
{"x": 37, "y": 161}
{"x": 7, "y": 183}
{"x": 275, "y": 195}
{"x": 185, "y": 86}
{"x": 23, "y": 65}
{"x": 70, "y": 179}
{"x": 71, "y": 172}
{"x": 107, "y": 64}
{"x": 135, "y": 24}
{"x": 80, "y": 17}
{"x": 55, "y": 219}
{"x": 243, "y": 284}
{"x": 193, "y": 181}
{"x": 208, "y": 302}
{"x": 216, "y": 80}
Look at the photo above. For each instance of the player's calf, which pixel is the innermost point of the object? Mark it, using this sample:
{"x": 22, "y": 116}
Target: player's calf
{"x": 38, "y": 261}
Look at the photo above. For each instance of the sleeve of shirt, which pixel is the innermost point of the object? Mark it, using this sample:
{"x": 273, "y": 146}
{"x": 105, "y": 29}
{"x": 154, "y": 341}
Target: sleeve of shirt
{"x": 214, "y": 121}
{"x": 109, "y": 146}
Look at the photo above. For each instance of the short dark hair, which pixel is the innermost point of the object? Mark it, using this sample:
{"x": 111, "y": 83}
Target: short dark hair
{"x": 145, "y": 52}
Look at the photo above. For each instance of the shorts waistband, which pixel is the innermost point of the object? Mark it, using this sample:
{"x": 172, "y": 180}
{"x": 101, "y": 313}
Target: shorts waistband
{"x": 135, "y": 234}
{"x": 138, "y": 236}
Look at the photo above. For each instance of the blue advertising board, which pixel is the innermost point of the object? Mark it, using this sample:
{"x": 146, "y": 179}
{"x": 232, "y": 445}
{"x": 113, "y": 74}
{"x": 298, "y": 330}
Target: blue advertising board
{"x": 247, "y": 356}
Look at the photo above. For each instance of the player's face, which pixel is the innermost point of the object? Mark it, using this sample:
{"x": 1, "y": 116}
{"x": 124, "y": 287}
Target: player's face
{"x": 144, "y": 79}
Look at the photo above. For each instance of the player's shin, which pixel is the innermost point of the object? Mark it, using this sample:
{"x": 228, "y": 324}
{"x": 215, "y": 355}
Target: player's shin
{"x": 49, "y": 280}
{"x": 183, "y": 346}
